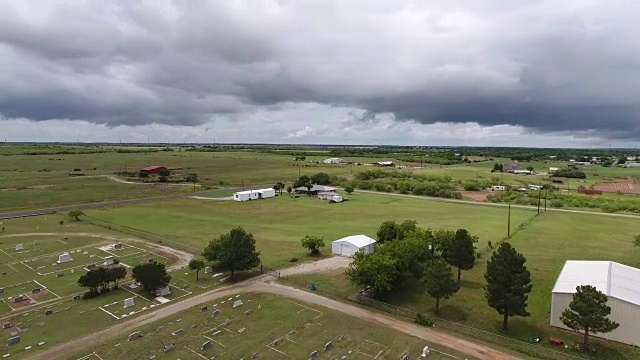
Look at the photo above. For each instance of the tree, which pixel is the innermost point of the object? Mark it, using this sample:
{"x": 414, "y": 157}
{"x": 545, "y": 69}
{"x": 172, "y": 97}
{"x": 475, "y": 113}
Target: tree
{"x": 321, "y": 178}
{"x": 313, "y": 243}
{"x": 406, "y": 228}
{"x": 152, "y": 275}
{"x": 636, "y": 240}
{"x": 438, "y": 281}
{"x": 302, "y": 181}
{"x": 164, "y": 172}
{"x": 498, "y": 167}
{"x": 349, "y": 189}
{"x": 117, "y": 273}
{"x": 278, "y": 187}
{"x": 192, "y": 178}
{"x": 289, "y": 189}
{"x": 375, "y": 272}
{"x": 530, "y": 168}
{"x": 233, "y": 251}
{"x": 508, "y": 283}
{"x": 92, "y": 280}
{"x": 196, "y": 265}
{"x": 143, "y": 174}
{"x": 588, "y": 311}
{"x": 387, "y": 231}
{"x": 75, "y": 214}
{"x": 622, "y": 160}
{"x": 461, "y": 252}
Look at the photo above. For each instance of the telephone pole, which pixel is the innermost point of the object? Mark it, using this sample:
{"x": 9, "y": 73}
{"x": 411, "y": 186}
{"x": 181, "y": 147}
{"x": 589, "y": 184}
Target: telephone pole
{"x": 509, "y": 223}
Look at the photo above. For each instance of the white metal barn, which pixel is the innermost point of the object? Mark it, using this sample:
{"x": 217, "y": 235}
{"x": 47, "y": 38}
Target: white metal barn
{"x": 350, "y": 245}
{"x": 254, "y": 194}
{"x": 621, "y": 284}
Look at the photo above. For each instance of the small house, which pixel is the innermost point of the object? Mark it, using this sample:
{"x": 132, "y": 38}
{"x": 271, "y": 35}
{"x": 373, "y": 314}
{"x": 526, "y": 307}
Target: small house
{"x": 512, "y": 167}
{"x": 350, "y": 245}
{"x": 315, "y": 189}
{"x": 254, "y": 194}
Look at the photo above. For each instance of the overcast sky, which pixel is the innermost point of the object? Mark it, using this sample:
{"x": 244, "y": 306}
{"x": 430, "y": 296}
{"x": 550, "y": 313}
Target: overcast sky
{"x": 438, "y": 72}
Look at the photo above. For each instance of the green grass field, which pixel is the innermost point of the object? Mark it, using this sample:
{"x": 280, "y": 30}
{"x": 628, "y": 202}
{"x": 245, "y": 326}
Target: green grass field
{"x": 303, "y": 328}
{"x": 279, "y": 223}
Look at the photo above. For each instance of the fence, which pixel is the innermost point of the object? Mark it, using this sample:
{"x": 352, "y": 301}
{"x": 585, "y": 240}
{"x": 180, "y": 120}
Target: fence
{"x": 269, "y": 271}
{"x": 140, "y": 233}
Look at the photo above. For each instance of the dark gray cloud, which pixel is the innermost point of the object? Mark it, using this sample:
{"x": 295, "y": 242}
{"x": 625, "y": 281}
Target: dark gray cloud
{"x": 546, "y": 66}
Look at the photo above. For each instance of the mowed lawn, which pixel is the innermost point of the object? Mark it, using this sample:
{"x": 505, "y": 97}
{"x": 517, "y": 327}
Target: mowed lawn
{"x": 547, "y": 243}
{"x": 279, "y": 223}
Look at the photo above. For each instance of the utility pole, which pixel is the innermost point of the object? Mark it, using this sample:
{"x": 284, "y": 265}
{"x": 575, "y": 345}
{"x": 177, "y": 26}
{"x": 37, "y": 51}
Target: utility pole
{"x": 242, "y": 184}
{"x": 539, "y": 198}
{"x": 545, "y": 199}
{"x": 509, "y": 223}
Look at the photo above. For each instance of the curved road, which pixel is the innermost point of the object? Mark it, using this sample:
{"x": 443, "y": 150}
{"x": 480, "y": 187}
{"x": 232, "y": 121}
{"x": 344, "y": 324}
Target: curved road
{"x": 264, "y": 283}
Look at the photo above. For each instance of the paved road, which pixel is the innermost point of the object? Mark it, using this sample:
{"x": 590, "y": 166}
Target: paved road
{"x": 478, "y": 203}
{"x": 265, "y": 283}
{"x": 36, "y": 212}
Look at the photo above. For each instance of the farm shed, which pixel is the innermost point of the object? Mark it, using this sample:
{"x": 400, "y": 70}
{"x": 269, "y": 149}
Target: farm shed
{"x": 333, "y": 161}
{"x": 315, "y": 189}
{"x": 254, "y": 194}
{"x": 621, "y": 284}
{"x": 384, "y": 164}
{"x": 327, "y": 195}
{"x": 350, "y": 245}
{"x": 153, "y": 169}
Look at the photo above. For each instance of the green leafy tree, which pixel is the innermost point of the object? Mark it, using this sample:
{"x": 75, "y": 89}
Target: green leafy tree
{"x": 289, "y": 189}
{"x": 622, "y": 160}
{"x": 164, "y": 172}
{"x": 375, "y": 271}
{"x": 233, "y": 251}
{"x": 152, "y": 275}
{"x": 92, "y": 280}
{"x": 636, "y": 240}
{"x": 192, "y": 178}
{"x": 116, "y": 274}
{"x": 75, "y": 214}
{"x": 349, "y": 189}
{"x": 588, "y": 312}
{"x": 313, "y": 244}
{"x": 302, "y": 181}
{"x": 143, "y": 174}
{"x": 321, "y": 178}
{"x": 407, "y": 227}
{"x": 530, "y": 168}
{"x": 196, "y": 265}
{"x": 387, "y": 231}
{"x": 278, "y": 187}
{"x": 508, "y": 283}
{"x": 461, "y": 252}
{"x": 498, "y": 167}
{"x": 438, "y": 281}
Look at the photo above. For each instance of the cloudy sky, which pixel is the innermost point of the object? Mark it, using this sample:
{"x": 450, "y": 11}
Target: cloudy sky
{"x": 438, "y": 72}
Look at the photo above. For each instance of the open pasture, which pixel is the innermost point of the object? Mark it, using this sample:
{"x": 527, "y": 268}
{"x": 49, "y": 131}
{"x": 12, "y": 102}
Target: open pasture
{"x": 273, "y": 327}
{"x": 279, "y": 223}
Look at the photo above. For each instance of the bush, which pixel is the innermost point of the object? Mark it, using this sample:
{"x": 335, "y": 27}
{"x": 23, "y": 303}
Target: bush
{"x": 89, "y": 295}
{"x": 61, "y": 222}
{"x": 293, "y": 259}
{"x": 424, "y": 320}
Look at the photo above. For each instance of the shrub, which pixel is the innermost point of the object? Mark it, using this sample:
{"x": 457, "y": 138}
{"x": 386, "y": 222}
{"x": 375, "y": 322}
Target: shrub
{"x": 61, "y": 222}
{"x": 293, "y": 259}
{"x": 89, "y": 295}
{"x": 424, "y": 320}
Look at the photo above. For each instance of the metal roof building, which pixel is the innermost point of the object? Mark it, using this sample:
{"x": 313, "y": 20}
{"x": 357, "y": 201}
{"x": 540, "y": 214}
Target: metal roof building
{"x": 350, "y": 245}
{"x": 621, "y": 284}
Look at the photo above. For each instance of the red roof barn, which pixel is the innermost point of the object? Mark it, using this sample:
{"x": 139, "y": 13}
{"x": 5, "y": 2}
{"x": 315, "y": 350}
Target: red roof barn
{"x": 153, "y": 169}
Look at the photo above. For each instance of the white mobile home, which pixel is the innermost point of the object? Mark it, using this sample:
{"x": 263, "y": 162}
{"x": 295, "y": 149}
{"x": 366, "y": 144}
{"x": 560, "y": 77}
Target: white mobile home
{"x": 254, "y": 194}
{"x": 621, "y": 284}
{"x": 350, "y": 245}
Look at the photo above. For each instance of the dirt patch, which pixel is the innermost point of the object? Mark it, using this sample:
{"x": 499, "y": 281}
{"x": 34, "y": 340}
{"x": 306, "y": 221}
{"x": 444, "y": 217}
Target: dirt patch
{"x": 621, "y": 186}
{"x": 28, "y": 188}
{"x": 475, "y": 195}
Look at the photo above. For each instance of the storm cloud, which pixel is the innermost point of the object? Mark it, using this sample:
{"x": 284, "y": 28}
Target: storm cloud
{"x": 544, "y": 65}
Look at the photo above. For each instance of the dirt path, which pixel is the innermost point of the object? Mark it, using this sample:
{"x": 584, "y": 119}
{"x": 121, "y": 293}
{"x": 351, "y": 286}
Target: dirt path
{"x": 226, "y": 198}
{"x": 183, "y": 257}
{"x": 265, "y": 283}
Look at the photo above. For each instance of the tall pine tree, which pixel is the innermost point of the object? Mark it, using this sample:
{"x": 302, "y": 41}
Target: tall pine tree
{"x": 460, "y": 251}
{"x": 508, "y": 283}
{"x": 438, "y": 281}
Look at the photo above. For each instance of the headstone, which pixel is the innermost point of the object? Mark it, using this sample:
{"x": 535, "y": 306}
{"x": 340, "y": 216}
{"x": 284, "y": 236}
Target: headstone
{"x": 133, "y": 285}
{"x": 342, "y": 337}
{"x": 178, "y": 332}
{"x": 163, "y": 291}
{"x": 237, "y": 303}
{"x": 14, "y": 333}
{"x": 241, "y": 330}
{"x": 313, "y": 355}
{"x": 203, "y": 309}
{"x": 259, "y": 307}
{"x": 425, "y": 352}
{"x": 28, "y": 348}
{"x": 169, "y": 347}
{"x": 48, "y": 312}
{"x": 13, "y": 340}
{"x": 404, "y": 356}
{"x": 108, "y": 261}
{"x": 118, "y": 246}
{"x": 6, "y": 355}
{"x": 128, "y": 303}
{"x": 1, "y": 291}
{"x": 216, "y": 312}
{"x": 59, "y": 274}
{"x": 77, "y": 297}
{"x": 217, "y": 333}
{"x": 227, "y": 322}
{"x": 32, "y": 302}
{"x": 208, "y": 270}
{"x": 185, "y": 286}
{"x": 19, "y": 247}
{"x": 205, "y": 345}
{"x": 36, "y": 290}
{"x": 41, "y": 324}
{"x": 6, "y": 325}
{"x": 63, "y": 258}
{"x": 72, "y": 271}
{"x": 248, "y": 312}
{"x": 19, "y": 298}
{"x": 328, "y": 346}
{"x": 135, "y": 336}
{"x": 41, "y": 343}
{"x": 254, "y": 355}
{"x": 91, "y": 267}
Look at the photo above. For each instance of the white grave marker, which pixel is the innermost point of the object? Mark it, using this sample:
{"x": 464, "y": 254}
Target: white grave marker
{"x": 64, "y": 257}
{"x": 237, "y": 303}
{"x": 19, "y": 247}
{"x": 108, "y": 260}
{"x": 128, "y": 303}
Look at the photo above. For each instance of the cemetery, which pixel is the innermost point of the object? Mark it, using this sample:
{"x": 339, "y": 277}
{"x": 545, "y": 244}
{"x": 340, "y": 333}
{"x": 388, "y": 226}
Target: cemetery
{"x": 261, "y": 326}
{"x": 132, "y": 299}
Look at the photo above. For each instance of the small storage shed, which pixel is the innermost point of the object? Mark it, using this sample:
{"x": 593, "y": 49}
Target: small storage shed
{"x": 254, "y": 194}
{"x": 621, "y": 284}
{"x": 350, "y": 245}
